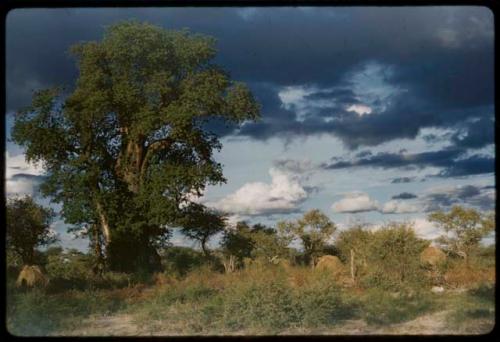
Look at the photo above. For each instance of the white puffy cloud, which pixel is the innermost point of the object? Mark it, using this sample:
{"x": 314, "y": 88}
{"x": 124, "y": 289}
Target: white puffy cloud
{"x": 283, "y": 194}
{"x": 427, "y": 230}
{"x": 21, "y": 177}
{"x": 355, "y": 202}
{"x": 399, "y": 207}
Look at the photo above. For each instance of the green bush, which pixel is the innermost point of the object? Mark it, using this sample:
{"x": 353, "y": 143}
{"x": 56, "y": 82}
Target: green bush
{"x": 321, "y": 303}
{"x": 111, "y": 280}
{"x": 258, "y": 304}
{"x": 181, "y": 260}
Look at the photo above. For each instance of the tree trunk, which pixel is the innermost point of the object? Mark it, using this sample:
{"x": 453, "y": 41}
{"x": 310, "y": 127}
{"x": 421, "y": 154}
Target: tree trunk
{"x": 99, "y": 265}
{"x": 129, "y": 164}
{"x": 104, "y": 222}
{"x": 204, "y": 248}
{"x": 229, "y": 264}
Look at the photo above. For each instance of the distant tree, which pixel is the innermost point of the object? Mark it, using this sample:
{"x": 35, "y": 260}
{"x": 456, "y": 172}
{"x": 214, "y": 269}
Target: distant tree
{"x": 130, "y": 143}
{"x": 238, "y": 241}
{"x": 28, "y": 227}
{"x": 353, "y": 246}
{"x": 200, "y": 223}
{"x": 268, "y": 244}
{"x": 467, "y": 228}
{"x": 314, "y": 230}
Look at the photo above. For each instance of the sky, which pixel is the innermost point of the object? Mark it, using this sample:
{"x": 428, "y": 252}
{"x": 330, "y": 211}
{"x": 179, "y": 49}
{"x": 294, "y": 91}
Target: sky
{"x": 371, "y": 114}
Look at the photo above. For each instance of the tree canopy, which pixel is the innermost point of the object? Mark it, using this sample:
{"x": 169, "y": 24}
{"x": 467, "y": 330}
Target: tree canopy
{"x": 129, "y": 145}
{"x": 314, "y": 230}
{"x": 28, "y": 227}
{"x": 467, "y": 227}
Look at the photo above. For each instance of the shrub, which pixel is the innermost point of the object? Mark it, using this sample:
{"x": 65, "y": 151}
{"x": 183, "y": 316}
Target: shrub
{"x": 258, "y": 305}
{"x": 320, "y": 303}
{"x": 181, "y": 260}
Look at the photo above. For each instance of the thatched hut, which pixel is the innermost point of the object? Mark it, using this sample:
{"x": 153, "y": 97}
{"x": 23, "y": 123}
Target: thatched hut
{"x": 31, "y": 276}
{"x": 330, "y": 263}
{"x": 432, "y": 256}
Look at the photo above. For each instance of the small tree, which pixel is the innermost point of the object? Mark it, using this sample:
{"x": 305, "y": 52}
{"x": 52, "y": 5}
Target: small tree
{"x": 237, "y": 243}
{"x": 314, "y": 230}
{"x": 268, "y": 244}
{"x": 28, "y": 227}
{"x": 468, "y": 227}
{"x": 352, "y": 244}
{"x": 200, "y": 223}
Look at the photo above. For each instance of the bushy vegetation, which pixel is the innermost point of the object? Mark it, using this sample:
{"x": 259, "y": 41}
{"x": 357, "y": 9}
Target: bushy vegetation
{"x": 271, "y": 289}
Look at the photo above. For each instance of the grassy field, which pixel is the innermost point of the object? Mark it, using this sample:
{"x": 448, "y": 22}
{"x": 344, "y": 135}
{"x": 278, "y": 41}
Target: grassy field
{"x": 257, "y": 300}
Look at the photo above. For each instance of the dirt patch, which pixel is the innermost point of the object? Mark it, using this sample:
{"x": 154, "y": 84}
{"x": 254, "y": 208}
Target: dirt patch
{"x": 118, "y": 325}
{"x": 123, "y": 325}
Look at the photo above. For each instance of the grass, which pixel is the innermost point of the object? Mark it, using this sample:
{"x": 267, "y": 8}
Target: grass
{"x": 473, "y": 311}
{"x": 257, "y": 300}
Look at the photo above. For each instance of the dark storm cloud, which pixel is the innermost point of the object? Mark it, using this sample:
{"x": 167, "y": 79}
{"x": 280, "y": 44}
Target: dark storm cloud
{"x": 441, "y": 63}
{"x": 476, "y": 134}
{"x": 473, "y": 165}
{"x": 447, "y": 159}
{"x": 397, "y": 160}
{"x": 470, "y": 195}
{"x": 404, "y": 196}
{"x": 403, "y": 180}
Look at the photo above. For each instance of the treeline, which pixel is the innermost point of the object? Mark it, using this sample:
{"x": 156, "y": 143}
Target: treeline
{"x": 388, "y": 257}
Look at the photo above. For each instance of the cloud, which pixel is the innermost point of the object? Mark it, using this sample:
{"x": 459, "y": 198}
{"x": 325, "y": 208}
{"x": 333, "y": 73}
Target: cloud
{"x": 399, "y": 207}
{"x": 451, "y": 161}
{"x": 22, "y": 178}
{"x": 355, "y": 202}
{"x": 404, "y": 196}
{"x": 403, "y": 180}
{"x": 442, "y": 198}
{"x": 295, "y": 166}
{"x": 283, "y": 195}
{"x": 427, "y": 230}
{"x": 379, "y": 66}
{"x": 475, "y": 134}
{"x": 359, "y": 108}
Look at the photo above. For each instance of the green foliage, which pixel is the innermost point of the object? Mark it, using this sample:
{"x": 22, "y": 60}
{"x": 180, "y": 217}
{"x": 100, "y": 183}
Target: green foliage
{"x": 238, "y": 241}
{"x": 200, "y": 223}
{"x": 255, "y": 242}
{"x": 69, "y": 265}
{"x": 393, "y": 258}
{"x": 314, "y": 230}
{"x": 129, "y": 145}
{"x": 268, "y": 304}
{"x": 352, "y": 243}
{"x": 28, "y": 227}
{"x": 467, "y": 226}
{"x": 474, "y": 312}
{"x": 180, "y": 260}
{"x": 35, "y": 313}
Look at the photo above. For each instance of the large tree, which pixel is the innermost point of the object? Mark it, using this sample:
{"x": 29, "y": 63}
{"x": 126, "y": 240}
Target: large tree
{"x": 130, "y": 145}
{"x": 28, "y": 227}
